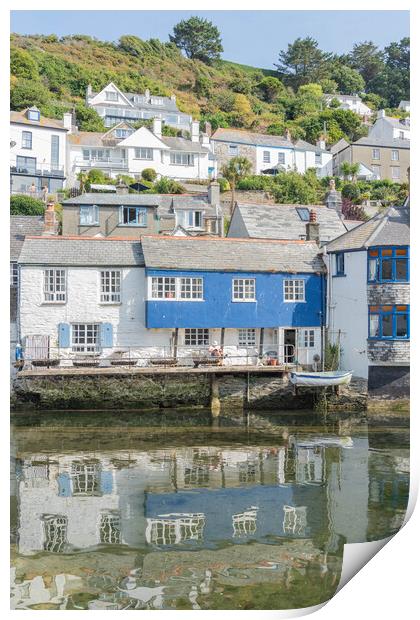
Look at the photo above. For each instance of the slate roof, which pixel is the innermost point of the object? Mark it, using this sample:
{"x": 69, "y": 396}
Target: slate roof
{"x": 259, "y": 139}
{"x": 391, "y": 227}
{"x": 214, "y": 254}
{"x": 164, "y": 202}
{"x": 284, "y": 222}
{"x": 21, "y": 225}
{"x": 20, "y": 117}
{"x": 81, "y": 251}
{"x": 182, "y": 144}
{"x": 395, "y": 143}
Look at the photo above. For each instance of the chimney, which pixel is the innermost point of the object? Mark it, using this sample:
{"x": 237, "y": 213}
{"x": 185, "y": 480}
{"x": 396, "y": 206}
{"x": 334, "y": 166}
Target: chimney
{"x": 195, "y": 131}
{"x": 288, "y": 135}
{"x": 381, "y": 114}
{"x": 321, "y": 144}
{"x": 213, "y": 194}
{"x": 207, "y": 224}
{"x": 173, "y": 98}
{"x": 89, "y": 92}
{"x": 205, "y": 139}
{"x": 333, "y": 198}
{"x": 121, "y": 188}
{"x": 157, "y": 127}
{"x": 312, "y": 227}
{"x": 147, "y": 93}
{"x": 68, "y": 121}
{"x": 50, "y": 220}
{"x": 207, "y": 128}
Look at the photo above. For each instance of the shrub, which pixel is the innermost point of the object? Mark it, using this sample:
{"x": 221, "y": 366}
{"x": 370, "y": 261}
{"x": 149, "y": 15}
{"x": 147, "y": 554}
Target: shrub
{"x": 26, "y": 205}
{"x": 149, "y": 174}
{"x": 224, "y": 184}
{"x": 351, "y": 191}
{"x": 168, "y": 186}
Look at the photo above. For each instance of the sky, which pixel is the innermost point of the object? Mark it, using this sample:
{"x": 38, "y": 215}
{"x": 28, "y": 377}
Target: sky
{"x": 249, "y": 37}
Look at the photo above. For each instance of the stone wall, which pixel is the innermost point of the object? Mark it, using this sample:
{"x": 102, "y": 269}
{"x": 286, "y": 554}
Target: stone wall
{"x": 221, "y": 151}
{"x": 391, "y": 293}
{"x": 397, "y": 351}
{"x": 389, "y": 382}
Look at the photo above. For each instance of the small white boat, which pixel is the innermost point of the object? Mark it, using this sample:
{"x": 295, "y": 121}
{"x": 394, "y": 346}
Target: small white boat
{"x": 321, "y": 379}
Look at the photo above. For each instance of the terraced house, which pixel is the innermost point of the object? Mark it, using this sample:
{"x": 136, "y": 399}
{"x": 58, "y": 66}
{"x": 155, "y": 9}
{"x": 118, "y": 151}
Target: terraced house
{"x": 369, "y": 300}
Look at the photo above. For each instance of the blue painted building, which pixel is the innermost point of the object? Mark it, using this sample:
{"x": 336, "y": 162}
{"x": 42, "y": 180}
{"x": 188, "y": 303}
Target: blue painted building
{"x": 252, "y": 294}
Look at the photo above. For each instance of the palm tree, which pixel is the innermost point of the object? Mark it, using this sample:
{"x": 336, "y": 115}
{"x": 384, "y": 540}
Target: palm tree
{"x": 234, "y": 171}
{"x": 83, "y": 178}
{"x": 350, "y": 171}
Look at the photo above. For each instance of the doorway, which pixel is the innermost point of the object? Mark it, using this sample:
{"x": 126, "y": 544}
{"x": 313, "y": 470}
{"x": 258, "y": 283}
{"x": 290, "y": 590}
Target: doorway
{"x": 289, "y": 346}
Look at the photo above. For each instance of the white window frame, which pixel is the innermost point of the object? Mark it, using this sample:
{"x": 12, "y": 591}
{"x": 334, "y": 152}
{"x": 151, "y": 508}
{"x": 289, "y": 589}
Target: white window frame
{"x": 308, "y": 338}
{"x": 395, "y": 155}
{"x": 54, "y": 286}
{"x": 91, "y": 215}
{"x": 247, "y": 337}
{"x": 233, "y": 150}
{"x": 188, "y": 218}
{"x": 111, "y": 95}
{"x": 394, "y": 170}
{"x": 189, "y": 289}
{"x": 201, "y": 336}
{"x": 27, "y": 140}
{"x": 180, "y": 288}
{"x": 243, "y": 290}
{"x": 143, "y": 152}
{"x": 92, "y": 337}
{"x": 110, "y": 286}
{"x": 166, "y": 285}
{"x": 376, "y": 154}
{"x": 281, "y": 158}
{"x": 181, "y": 159}
{"x": 292, "y": 288}
{"x": 266, "y": 157}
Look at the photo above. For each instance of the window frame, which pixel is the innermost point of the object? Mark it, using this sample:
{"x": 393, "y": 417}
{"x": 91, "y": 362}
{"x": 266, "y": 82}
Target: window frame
{"x": 393, "y": 311}
{"x": 266, "y": 157}
{"x": 303, "y": 211}
{"x": 308, "y": 338}
{"x": 26, "y": 141}
{"x": 109, "y": 279}
{"x": 281, "y": 158}
{"x": 108, "y": 96}
{"x": 393, "y": 153}
{"x": 297, "y": 282}
{"x": 175, "y": 288}
{"x": 244, "y": 339}
{"x": 14, "y": 274}
{"x": 55, "y": 292}
{"x": 393, "y": 258}
{"x": 205, "y": 337}
{"x": 148, "y": 156}
{"x": 339, "y": 265}
{"x": 233, "y": 150}
{"x": 393, "y": 170}
{"x": 374, "y": 152}
{"x": 85, "y": 347}
{"x": 95, "y": 218}
{"x": 139, "y": 211}
{"x": 239, "y": 286}
{"x": 174, "y": 155}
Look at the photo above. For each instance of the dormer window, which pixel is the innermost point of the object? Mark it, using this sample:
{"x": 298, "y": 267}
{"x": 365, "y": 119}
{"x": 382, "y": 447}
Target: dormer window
{"x": 122, "y": 133}
{"x": 111, "y": 95}
{"x": 33, "y": 114}
{"x": 156, "y": 101}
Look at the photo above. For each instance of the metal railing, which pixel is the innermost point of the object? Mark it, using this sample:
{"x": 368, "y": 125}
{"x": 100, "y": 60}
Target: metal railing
{"x": 37, "y": 169}
{"x": 104, "y": 162}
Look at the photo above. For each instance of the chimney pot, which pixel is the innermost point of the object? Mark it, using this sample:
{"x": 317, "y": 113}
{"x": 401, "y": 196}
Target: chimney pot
{"x": 121, "y": 188}
{"x": 213, "y": 193}
{"x": 157, "y": 127}
{"x": 195, "y": 131}
{"x": 312, "y": 215}
{"x": 312, "y": 231}
{"x": 50, "y": 220}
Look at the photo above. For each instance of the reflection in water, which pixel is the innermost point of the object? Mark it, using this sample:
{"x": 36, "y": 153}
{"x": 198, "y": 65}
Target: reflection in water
{"x": 205, "y": 518}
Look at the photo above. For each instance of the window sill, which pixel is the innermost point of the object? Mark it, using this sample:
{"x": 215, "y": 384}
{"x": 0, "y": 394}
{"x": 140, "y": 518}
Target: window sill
{"x": 340, "y": 275}
{"x": 143, "y": 159}
{"x": 244, "y": 301}
{"x": 89, "y": 225}
{"x": 294, "y": 301}
{"x": 388, "y": 281}
{"x": 53, "y": 303}
{"x": 175, "y": 299}
{"x": 389, "y": 339}
{"x": 132, "y": 225}
{"x": 110, "y": 303}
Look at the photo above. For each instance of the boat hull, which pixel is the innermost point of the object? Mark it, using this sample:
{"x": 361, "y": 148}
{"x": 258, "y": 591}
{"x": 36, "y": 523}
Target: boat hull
{"x": 320, "y": 379}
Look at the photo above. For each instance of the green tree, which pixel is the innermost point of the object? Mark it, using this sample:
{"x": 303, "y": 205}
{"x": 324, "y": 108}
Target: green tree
{"x": 25, "y": 205}
{"x": 26, "y": 93}
{"x": 199, "y": 38}
{"x": 132, "y": 45}
{"x": 348, "y": 80}
{"x": 270, "y": 88}
{"x": 149, "y": 174}
{"x": 303, "y": 62}
{"x": 294, "y": 188}
{"x": 22, "y": 65}
{"x": 87, "y": 119}
{"x": 241, "y": 114}
{"x": 235, "y": 170}
{"x": 393, "y": 82}
{"x": 367, "y": 59}
{"x": 168, "y": 186}
{"x": 350, "y": 171}
{"x": 351, "y": 191}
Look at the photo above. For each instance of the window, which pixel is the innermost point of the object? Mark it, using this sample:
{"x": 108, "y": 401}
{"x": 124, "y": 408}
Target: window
{"x": 401, "y": 135}
{"x": 389, "y": 322}
{"x": 181, "y": 159}
{"x": 233, "y": 149}
{"x": 266, "y": 157}
{"x": 34, "y": 115}
{"x": 110, "y": 529}
{"x": 243, "y": 289}
{"x": 376, "y": 171}
{"x": 143, "y": 153}
{"x": 85, "y": 478}
{"x": 281, "y": 158}
{"x": 55, "y": 529}
{"x": 339, "y": 264}
{"x": 110, "y": 287}
{"x": 395, "y": 172}
{"x": 124, "y": 133}
{"x": 25, "y": 164}
{"x": 133, "y": 216}
{"x": 389, "y": 264}
{"x": 85, "y": 337}
{"x": 14, "y": 274}
{"x": 303, "y": 213}
{"x": 163, "y": 288}
{"x": 96, "y": 154}
{"x": 247, "y": 337}
{"x": 26, "y": 139}
{"x": 156, "y": 101}
{"x": 196, "y": 337}
{"x": 318, "y": 159}
{"x": 54, "y": 285}
{"x": 395, "y": 155}
{"x": 308, "y": 338}
{"x": 189, "y": 219}
{"x": 191, "y": 288}
{"x": 111, "y": 95}
{"x": 376, "y": 154}
{"x": 294, "y": 290}
{"x": 55, "y": 150}
{"x": 244, "y": 523}
{"x": 89, "y": 215}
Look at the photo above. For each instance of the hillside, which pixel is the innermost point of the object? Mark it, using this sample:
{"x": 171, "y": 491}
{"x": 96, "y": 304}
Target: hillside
{"x": 53, "y": 74}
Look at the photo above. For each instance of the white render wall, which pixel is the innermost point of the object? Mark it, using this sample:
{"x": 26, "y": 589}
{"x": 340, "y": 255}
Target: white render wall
{"x": 294, "y": 159}
{"x": 41, "y": 144}
{"x": 382, "y": 129}
{"x": 348, "y": 311}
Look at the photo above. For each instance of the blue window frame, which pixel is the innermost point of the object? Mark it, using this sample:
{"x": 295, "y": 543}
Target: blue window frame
{"x": 133, "y": 216}
{"x": 388, "y": 264}
{"x": 339, "y": 264}
{"x": 389, "y": 322}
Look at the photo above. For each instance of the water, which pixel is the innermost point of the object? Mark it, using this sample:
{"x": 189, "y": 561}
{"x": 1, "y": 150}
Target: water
{"x": 120, "y": 510}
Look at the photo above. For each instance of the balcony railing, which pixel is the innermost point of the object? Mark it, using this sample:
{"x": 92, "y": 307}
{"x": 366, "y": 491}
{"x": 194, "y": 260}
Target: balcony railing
{"x": 37, "y": 169}
{"x": 102, "y": 162}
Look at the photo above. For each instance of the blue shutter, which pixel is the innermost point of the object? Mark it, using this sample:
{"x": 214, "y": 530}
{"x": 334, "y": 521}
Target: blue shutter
{"x": 64, "y": 485}
{"x": 106, "y": 335}
{"x": 106, "y": 482}
{"x": 64, "y": 335}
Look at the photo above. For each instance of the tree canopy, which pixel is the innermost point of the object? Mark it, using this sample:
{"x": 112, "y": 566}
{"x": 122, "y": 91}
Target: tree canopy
{"x": 199, "y": 38}
{"x": 303, "y": 62}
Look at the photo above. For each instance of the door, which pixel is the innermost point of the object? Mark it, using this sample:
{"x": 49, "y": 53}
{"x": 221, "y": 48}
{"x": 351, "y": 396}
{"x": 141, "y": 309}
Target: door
{"x": 289, "y": 346}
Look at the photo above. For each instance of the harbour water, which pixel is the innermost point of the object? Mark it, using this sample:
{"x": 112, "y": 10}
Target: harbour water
{"x": 126, "y": 510}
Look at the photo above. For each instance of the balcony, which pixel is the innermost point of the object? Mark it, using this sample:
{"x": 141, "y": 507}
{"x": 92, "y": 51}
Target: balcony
{"x": 107, "y": 163}
{"x": 37, "y": 169}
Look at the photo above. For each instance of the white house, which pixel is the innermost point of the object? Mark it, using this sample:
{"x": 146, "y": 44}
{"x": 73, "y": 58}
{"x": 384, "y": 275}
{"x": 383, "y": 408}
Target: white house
{"x": 37, "y": 152}
{"x": 271, "y": 154}
{"x": 350, "y": 102}
{"x": 387, "y": 128}
{"x": 124, "y": 150}
{"x": 369, "y": 300}
{"x": 404, "y": 105}
{"x": 114, "y": 106}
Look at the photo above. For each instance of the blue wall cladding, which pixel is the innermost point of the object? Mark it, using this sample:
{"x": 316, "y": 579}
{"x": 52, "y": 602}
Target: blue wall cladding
{"x": 218, "y": 310}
